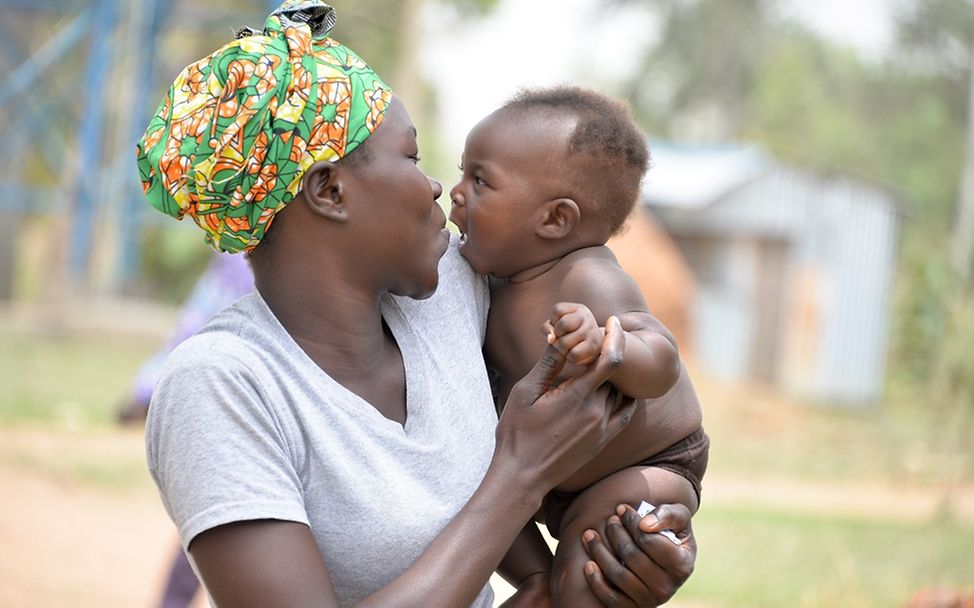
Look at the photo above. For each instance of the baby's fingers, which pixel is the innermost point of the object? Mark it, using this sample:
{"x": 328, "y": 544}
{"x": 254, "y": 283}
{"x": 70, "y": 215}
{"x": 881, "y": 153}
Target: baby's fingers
{"x": 584, "y": 352}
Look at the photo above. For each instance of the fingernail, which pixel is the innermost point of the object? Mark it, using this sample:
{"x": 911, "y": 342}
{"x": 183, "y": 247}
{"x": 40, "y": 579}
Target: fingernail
{"x": 614, "y": 519}
{"x": 590, "y": 568}
{"x": 621, "y": 510}
{"x": 588, "y": 536}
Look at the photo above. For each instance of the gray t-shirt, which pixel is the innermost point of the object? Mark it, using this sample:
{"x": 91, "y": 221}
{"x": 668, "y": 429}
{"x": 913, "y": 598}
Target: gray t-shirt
{"x": 244, "y": 425}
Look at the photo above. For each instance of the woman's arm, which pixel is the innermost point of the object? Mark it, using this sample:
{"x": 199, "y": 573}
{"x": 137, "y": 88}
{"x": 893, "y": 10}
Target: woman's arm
{"x": 543, "y": 435}
{"x": 527, "y": 567}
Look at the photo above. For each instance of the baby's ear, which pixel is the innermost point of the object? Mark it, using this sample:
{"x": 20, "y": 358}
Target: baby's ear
{"x": 557, "y": 218}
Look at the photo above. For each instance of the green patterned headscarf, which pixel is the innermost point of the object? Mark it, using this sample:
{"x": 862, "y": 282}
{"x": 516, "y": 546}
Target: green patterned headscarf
{"x": 233, "y": 137}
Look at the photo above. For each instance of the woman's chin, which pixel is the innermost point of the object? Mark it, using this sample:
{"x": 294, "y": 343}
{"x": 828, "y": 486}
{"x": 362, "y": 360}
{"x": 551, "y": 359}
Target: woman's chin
{"x": 424, "y": 291}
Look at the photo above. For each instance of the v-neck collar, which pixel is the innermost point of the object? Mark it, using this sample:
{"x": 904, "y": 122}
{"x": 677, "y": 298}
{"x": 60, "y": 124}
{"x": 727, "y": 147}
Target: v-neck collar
{"x": 406, "y": 341}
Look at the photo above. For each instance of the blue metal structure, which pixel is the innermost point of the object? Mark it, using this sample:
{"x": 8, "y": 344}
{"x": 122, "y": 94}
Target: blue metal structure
{"x": 130, "y": 224}
{"x": 61, "y": 115}
{"x": 91, "y": 136}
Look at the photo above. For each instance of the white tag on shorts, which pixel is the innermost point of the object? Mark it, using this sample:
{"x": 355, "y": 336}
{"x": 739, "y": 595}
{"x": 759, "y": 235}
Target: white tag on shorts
{"x": 645, "y": 509}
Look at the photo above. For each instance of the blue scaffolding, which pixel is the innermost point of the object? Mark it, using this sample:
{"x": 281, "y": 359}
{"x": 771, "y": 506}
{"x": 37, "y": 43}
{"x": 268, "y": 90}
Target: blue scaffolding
{"x": 69, "y": 130}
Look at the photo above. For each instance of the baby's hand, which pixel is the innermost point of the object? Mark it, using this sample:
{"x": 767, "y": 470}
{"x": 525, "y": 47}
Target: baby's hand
{"x": 574, "y": 331}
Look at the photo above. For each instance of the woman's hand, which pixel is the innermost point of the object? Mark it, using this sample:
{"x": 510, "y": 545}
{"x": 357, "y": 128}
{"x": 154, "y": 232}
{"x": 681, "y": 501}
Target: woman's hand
{"x": 533, "y": 592}
{"x": 635, "y": 566}
{"x": 547, "y": 432}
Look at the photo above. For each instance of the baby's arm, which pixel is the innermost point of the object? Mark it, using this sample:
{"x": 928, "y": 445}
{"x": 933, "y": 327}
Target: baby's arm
{"x": 652, "y": 363}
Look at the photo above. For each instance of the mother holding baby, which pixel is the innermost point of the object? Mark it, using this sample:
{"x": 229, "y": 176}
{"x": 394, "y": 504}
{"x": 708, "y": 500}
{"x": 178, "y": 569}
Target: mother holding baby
{"x": 330, "y": 439}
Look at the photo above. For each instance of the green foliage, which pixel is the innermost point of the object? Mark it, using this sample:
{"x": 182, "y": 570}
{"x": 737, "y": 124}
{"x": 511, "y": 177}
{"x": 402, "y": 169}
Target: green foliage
{"x": 899, "y": 123}
{"x": 173, "y": 258}
{"x": 941, "y": 32}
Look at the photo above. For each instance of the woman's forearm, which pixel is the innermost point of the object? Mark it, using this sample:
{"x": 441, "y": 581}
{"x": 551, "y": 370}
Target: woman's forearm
{"x": 470, "y": 547}
{"x": 545, "y": 433}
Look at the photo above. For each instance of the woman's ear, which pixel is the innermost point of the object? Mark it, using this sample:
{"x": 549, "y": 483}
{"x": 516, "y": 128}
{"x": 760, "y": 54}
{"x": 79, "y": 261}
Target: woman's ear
{"x": 324, "y": 192}
{"x": 557, "y": 218}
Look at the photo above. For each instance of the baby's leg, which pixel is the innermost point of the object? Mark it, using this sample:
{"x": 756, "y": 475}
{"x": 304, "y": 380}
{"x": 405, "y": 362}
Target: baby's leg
{"x": 590, "y": 510}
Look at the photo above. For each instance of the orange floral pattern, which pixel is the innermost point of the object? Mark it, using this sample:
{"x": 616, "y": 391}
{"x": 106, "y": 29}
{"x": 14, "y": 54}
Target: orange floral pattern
{"x": 232, "y": 138}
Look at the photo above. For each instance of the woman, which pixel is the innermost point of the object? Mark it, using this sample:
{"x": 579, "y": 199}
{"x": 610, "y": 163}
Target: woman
{"x": 330, "y": 439}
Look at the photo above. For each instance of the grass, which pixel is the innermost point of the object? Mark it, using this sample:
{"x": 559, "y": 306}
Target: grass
{"x": 58, "y": 397}
{"x": 66, "y": 382}
{"x": 756, "y": 558}
{"x": 758, "y": 431}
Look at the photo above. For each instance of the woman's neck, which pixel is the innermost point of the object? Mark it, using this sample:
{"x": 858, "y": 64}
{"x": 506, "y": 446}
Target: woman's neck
{"x": 338, "y": 324}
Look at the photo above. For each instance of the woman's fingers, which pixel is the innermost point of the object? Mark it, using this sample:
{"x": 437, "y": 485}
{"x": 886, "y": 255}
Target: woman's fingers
{"x": 618, "y": 573}
{"x": 539, "y": 379}
{"x": 601, "y": 588}
{"x": 658, "y": 581}
{"x": 675, "y": 560}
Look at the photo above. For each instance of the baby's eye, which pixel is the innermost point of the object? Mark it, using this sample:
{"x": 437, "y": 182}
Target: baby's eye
{"x": 479, "y": 180}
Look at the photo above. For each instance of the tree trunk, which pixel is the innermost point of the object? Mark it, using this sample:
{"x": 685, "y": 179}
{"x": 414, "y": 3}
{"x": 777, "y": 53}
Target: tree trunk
{"x": 408, "y": 80}
{"x": 963, "y": 237}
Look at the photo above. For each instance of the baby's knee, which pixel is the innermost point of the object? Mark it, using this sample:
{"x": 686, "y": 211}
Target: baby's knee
{"x": 569, "y": 588}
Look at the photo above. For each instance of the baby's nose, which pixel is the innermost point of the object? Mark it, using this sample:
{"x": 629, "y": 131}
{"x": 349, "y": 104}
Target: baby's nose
{"x": 456, "y": 197}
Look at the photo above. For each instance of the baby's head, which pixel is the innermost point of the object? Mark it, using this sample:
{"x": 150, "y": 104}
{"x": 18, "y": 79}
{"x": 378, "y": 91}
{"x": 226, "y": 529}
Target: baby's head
{"x": 551, "y": 171}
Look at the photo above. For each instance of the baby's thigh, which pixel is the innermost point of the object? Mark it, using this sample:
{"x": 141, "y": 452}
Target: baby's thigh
{"x": 591, "y": 509}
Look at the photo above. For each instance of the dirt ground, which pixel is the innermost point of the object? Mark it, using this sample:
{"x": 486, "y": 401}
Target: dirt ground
{"x": 77, "y": 536}
{"x": 82, "y": 543}
{"x": 66, "y": 543}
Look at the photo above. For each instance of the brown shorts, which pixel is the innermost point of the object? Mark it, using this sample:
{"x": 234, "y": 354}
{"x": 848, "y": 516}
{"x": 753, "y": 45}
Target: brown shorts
{"x": 687, "y": 458}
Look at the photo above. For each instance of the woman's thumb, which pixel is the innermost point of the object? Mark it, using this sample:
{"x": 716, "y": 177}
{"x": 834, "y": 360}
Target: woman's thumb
{"x": 544, "y": 373}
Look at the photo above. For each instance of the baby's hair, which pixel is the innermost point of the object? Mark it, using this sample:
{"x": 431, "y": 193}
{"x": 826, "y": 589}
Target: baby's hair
{"x": 611, "y": 147}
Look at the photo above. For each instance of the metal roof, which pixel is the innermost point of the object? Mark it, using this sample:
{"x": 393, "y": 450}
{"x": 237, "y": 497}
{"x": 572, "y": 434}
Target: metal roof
{"x": 694, "y": 176}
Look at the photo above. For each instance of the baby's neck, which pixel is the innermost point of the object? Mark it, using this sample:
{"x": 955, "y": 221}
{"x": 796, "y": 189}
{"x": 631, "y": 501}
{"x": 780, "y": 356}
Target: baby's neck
{"x": 542, "y": 269}
{"x": 533, "y": 272}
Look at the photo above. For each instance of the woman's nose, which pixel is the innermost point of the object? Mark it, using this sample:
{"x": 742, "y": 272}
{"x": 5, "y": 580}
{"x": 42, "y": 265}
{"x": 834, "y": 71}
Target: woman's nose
{"x": 437, "y": 188}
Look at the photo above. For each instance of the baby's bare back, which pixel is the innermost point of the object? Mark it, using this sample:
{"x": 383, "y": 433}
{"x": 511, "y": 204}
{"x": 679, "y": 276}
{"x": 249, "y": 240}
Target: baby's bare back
{"x": 515, "y": 342}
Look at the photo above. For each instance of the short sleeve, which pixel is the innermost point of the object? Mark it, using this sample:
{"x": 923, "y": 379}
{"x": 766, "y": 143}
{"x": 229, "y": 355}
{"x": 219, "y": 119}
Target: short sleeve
{"x": 214, "y": 448}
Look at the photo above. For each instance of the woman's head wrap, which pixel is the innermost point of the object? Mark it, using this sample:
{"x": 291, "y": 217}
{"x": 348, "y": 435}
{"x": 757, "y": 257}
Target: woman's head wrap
{"x": 233, "y": 137}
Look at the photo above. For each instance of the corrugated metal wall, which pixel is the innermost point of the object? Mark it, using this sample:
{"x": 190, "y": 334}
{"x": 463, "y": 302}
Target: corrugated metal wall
{"x": 836, "y": 242}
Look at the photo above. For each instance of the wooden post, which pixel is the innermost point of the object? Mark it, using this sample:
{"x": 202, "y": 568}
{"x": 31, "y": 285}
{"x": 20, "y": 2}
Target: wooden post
{"x": 963, "y": 237}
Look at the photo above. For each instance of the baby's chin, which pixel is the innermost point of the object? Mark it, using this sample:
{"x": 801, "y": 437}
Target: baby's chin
{"x": 463, "y": 244}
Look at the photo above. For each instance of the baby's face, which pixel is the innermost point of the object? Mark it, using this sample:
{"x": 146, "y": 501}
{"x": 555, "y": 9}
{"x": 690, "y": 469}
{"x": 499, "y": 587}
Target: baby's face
{"x": 511, "y": 165}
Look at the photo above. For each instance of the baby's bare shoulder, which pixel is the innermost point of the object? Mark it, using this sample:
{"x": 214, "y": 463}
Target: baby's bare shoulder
{"x": 594, "y": 274}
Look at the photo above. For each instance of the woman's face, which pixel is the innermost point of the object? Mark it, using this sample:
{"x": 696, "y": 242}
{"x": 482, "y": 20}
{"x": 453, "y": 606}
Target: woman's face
{"x": 406, "y": 234}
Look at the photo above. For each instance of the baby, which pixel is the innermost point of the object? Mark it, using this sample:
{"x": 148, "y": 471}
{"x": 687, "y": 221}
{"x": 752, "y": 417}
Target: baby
{"x": 547, "y": 179}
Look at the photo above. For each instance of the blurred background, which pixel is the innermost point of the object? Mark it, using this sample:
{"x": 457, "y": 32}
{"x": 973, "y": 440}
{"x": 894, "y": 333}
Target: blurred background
{"x": 807, "y": 231}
